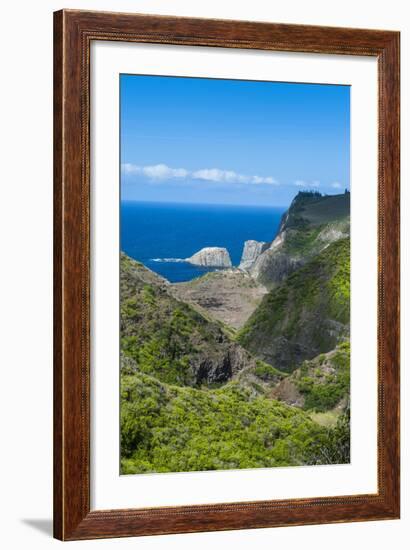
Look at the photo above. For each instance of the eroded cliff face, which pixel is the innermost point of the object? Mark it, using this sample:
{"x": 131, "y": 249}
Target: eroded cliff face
{"x": 310, "y": 225}
{"x": 227, "y": 295}
{"x": 211, "y": 256}
{"x": 251, "y": 251}
{"x": 272, "y": 267}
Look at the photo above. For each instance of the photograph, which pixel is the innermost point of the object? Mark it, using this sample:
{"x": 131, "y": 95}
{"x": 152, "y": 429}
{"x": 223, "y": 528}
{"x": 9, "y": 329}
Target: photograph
{"x": 234, "y": 274}
{"x": 208, "y": 251}
{"x": 226, "y": 320}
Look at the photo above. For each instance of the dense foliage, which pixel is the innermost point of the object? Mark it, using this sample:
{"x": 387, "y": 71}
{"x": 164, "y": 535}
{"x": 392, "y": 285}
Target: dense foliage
{"x": 170, "y": 429}
{"x": 332, "y": 447}
{"x": 169, "y": 339}
{"x": 326, "y": 380}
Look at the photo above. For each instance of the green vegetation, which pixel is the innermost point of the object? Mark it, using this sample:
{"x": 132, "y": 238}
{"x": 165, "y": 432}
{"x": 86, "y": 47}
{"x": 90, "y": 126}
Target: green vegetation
{"x": 267, "y": 372}
{"x": 310, "y": 207}
{"x": 169, "y": 339}
{"x": 327, "y": 419}
{"x": 166, "y": 351}
{"x": 196, "y": 395}
{"x": 301, "y": 242}
{"x": 306, "y": 315}
{"x": 170, "y": 429}
{"x": 326, "y": 380}
{"x": 334, "y": 446}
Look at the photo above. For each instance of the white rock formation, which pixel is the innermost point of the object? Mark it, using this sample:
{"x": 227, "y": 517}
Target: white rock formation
{"x": 278, "y": 241}
{"x": 211, "y": 256}
{"x": 251, "y": 251}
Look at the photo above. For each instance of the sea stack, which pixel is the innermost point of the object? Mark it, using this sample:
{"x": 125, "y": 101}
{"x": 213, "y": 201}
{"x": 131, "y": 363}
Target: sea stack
{"x": 211, "y": 256}
{"x": 251, "y": 251}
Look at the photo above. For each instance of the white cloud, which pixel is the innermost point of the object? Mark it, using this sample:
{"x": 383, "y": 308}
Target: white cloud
{"x": 127, "y": 168}
{"x": 161, "y": 172}
{"x": 155, "y": 172}
{"x": 229, "y": 176}
{"x": 307, "y": 184}
{"x": 214, "y": 174}
{"x": 336, "y": 185}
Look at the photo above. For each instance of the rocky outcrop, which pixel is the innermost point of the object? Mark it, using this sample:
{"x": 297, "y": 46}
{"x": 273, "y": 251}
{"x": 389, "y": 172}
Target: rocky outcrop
{"x": 220, "y": 367}
{"x": 251, "y": 251}
{"x": 273, "y": 266}
{"x": 312, "y": 222}
{"x": 211, "y": 256}
{"x": 288, "y": 391}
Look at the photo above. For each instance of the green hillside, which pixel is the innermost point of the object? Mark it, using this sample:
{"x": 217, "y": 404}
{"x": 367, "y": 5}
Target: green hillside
{"x": 169, "y": 339}
{"x": 308, "y": 314}
{"x": 320, "y": 384}
{"x": 316, "y": 209}
{"x": 171, "y": 429}
{"x": 312, "y": 222}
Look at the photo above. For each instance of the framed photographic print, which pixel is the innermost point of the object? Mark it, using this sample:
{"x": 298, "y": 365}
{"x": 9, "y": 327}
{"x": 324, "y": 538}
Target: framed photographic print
{"x": 226, "y": 275}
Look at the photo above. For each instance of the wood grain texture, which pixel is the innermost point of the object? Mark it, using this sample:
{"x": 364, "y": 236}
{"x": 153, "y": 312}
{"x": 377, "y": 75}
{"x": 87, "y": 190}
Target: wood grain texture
{"x": 73, "y": 33}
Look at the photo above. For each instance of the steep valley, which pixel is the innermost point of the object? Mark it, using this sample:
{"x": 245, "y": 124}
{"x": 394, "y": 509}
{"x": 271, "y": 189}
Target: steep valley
{"x": 229, "y": 296}
{"x": 243, "y": 367}
{"x": 308, "y": 314}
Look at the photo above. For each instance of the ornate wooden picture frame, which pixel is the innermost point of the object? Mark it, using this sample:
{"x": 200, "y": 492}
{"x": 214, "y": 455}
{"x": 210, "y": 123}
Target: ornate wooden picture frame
{"x": 74, "y": 32}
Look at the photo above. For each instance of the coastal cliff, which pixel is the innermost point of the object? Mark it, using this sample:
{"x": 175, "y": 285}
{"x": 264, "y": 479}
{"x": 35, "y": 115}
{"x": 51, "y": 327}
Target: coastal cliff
{"x": 251, "y": 251}
{"x": 312, "y": 222}
{"x": 307, "y": 314}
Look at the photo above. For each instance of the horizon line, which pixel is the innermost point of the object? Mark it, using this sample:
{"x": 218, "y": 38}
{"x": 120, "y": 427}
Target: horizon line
{"x": 206, "y": 203}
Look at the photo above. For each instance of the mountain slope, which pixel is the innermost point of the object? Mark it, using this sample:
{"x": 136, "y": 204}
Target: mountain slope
{"x": 320, "y": 384}
{"x": 308, "y": 314}
{"x": 172, "y": 429}
{"x": 310, "y": 224}
{"x": 169, "y": 339}
{"x": 171, "y": 420}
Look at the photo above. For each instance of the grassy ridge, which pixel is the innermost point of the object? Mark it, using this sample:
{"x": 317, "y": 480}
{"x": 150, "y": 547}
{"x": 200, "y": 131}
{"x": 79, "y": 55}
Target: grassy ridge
{"x": 306, "y": 315}
{"x": 321, "y": 384}
{"x": 310, "y": 208}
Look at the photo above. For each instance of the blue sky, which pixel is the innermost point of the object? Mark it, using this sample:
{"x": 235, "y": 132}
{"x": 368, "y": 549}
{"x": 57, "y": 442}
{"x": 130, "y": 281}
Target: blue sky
{"x": 231, "y": 141}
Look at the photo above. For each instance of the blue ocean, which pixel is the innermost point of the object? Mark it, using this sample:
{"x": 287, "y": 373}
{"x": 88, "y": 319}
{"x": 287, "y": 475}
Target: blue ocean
{"x": 161, "y": 235}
